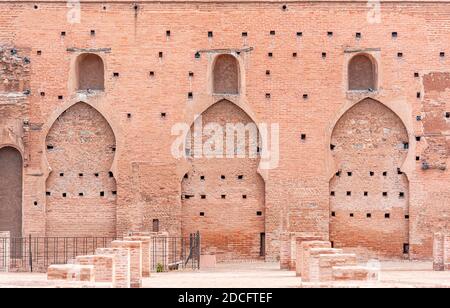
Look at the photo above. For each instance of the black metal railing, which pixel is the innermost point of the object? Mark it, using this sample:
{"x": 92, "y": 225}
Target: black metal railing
{"x": 35, "y": 254}
{"x": 174, "y": 253}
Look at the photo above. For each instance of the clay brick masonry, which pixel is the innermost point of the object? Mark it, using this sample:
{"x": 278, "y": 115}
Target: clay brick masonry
{"x": 89, "y": 96}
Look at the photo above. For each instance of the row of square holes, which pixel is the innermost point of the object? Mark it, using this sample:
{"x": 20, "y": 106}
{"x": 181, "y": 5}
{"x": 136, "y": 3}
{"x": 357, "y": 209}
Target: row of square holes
{"x": 222, "y": 177}
{"x": 419, "y": 118}
{"x": 102, "y": 194}
{"x": 405, "y": 147}
{"x": 210, "y": 34}
{"x": 258, "y": 213}
{"x": 401, "y": 195}
{"x": 96, "y": 174}
{"x": 136, "y": 7}
{"x": 324, "y": 54}
{"x": 52, "y": 147}
{"x": 268, "y": 95}
{"x": 188, "y": 152}
{"x": 369, "y": 215}
{"x": 302, "y": 136}
{"x": 371, "y": 173}
{"x": 270, "y": 54}
{"x": 191, "y": 74}
{"x": 191, "y": 94}
{"x": 187, "y": 197}
{"x": 81, "y": 194}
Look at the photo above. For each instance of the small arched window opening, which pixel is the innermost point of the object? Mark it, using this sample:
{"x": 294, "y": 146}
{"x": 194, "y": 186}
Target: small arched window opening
{"x": 90, "y": 72}
{"x": 362, "y": 73}
{"x": 226, "y": 75}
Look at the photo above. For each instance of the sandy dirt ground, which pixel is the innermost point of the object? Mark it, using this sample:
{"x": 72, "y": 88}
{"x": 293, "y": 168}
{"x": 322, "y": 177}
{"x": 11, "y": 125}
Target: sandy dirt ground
{"x": 260, "y": 275}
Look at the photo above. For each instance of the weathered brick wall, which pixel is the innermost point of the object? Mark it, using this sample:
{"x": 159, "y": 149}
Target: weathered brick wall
{"x": 14, "y": 71}
{"x": 369, "y": 195}
{"x": 223, "y": 198}
{"x": 430, "y": 206}
{"x": 297, "y": 192}
{"x": 81, "y": 190}
{"x": 157, "y": 191}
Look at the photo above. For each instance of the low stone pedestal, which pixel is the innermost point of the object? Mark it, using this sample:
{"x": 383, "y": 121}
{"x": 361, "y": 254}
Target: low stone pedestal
{"x": 121, "y": 265}
{"x": 135, "y": 248}
{"x": 71, "y": 272}
{"x": 146, "y": 257}
{"x": 103, "y": 266}
{"x": 302, "y": 249}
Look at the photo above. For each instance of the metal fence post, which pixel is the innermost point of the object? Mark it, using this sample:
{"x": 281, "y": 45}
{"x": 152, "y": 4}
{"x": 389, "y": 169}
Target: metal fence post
{"x": 30, "y": 253}
{"x": 198, "y": 248}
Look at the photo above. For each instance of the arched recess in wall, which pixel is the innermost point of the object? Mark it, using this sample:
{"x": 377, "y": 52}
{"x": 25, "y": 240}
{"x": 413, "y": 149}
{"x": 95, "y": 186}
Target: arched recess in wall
{"x": 90, "y": 72}
{"x": 11, "y": 166}
{"x": 369, "y": 195}
{"x": 224, "y": 198}
{"x": 362, "y": 73}
{"x": 226, "y": 77}
{"x": 81, "y": 190}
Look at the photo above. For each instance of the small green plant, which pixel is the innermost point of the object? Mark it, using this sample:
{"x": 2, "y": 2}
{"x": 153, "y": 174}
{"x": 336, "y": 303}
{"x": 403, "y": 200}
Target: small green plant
{"x": 159, "y": 268}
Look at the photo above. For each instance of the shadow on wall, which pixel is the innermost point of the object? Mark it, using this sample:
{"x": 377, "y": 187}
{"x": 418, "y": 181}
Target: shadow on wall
{"x": 11, "y": 191}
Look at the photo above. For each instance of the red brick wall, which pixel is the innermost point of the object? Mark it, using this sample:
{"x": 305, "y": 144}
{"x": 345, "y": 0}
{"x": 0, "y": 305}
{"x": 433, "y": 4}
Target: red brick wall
{"x": 297, "y": 192}
{"x": 430, "y": 206}
{"x": 80, "y": 151}
{"x": 233, "y": 206}
{"x": 15, "y": 70}
{"x": 368, "y": 197}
